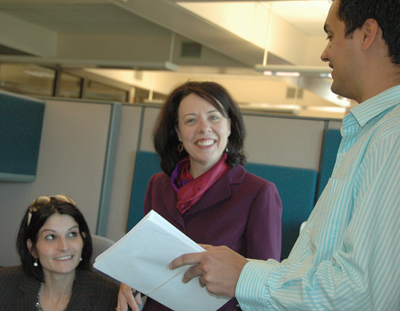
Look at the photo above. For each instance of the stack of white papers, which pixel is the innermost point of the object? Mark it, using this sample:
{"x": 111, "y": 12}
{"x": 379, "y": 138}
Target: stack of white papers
{"x": 141, "y": 258}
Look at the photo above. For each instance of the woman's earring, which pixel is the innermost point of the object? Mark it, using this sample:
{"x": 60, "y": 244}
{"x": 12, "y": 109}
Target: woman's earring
{"x": 80, "y": 259}
{"x": 35, "y": 264}
{"x": 180, "y": 147}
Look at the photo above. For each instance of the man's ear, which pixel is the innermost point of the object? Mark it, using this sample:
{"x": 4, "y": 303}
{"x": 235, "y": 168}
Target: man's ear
{"x": 29, "y": 244}
{"x": 369, "y": 32}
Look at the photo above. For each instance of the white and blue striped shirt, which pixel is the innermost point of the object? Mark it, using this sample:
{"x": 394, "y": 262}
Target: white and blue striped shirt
{"x": 348, "y": 255}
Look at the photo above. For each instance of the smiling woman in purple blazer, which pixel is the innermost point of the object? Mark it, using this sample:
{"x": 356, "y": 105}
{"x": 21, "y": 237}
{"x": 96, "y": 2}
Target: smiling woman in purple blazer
{"x": 204, "y": 189}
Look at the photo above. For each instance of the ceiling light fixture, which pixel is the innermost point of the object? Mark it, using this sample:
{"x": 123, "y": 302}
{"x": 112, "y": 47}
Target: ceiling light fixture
{"x": 286, "y": 70}
{"x": 268, "y": 73}
{"x": 287, "y": 74}
{"x": 325, "y": 75}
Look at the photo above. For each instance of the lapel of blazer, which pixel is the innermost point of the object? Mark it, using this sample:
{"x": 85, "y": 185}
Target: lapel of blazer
{"x": 220, "y": 191}
{"x": 30, "y": 288}
{"x": 82, "y": 292}
{"x": 170, "y": 200}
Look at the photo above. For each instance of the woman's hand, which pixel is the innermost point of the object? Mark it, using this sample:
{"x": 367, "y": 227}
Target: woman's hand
{"x": 126, "y": 297}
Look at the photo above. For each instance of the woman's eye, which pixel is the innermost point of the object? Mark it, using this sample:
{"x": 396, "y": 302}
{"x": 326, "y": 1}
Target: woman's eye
{"x": 189, "y": 121}
{"x": 49, "y": 237}
{"x": 215, "y": 118}
{"x": 73, "y": 234}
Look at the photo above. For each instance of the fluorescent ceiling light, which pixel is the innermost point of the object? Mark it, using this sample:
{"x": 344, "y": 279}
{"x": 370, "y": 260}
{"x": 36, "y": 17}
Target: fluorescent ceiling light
{"x": 326, "y": 109}
{"x": 325, "y": 75}
{"x": 268, "y": 73}
{"x": 39, "y": 74}
{"x": 309, "y": 70}
{"x": 287, "y": 74}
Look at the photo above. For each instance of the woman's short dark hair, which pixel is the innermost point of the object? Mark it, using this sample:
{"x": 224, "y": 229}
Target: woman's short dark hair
{"x": 354, "y": 13}
{"x": 34, "y": 220}
{"x": 166, "y": 139}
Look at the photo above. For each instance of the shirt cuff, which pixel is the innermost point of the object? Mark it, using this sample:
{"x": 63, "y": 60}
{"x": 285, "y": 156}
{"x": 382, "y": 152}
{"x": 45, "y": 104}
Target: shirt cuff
{"x": 251, "y": 287}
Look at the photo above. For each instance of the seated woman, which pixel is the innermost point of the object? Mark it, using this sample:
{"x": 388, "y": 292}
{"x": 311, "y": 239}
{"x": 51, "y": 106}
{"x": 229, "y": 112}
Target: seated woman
{"x": 204, "y": 190}
{"x": 55, "y": 246}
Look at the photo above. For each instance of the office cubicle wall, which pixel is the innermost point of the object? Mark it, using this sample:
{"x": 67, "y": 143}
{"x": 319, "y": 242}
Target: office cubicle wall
{"x": 285, "y": 150}
{"x": 74, "y": 150}
{"x": 21, "y": 122}
{"x": 129, "y": 133}
{"x": 285, "y": 141}
{"x": 71, "y": 160}
{"x": 275, "y": 140}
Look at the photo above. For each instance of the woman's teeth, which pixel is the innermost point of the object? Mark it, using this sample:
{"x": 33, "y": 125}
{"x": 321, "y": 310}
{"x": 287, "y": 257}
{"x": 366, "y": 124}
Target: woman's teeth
{"x": 205, "y": 142}
{"x": 63, "y": 258}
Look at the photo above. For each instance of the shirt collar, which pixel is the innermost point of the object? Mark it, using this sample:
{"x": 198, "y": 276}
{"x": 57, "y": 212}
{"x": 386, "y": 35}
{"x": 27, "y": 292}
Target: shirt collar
{"x": 373, "y": 106}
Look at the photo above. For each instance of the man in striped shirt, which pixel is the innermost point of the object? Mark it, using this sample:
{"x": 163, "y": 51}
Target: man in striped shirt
{"x": 348, "y": 255}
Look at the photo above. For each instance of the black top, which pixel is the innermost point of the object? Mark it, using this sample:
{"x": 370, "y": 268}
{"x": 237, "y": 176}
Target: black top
{"x": 92, "y": 291}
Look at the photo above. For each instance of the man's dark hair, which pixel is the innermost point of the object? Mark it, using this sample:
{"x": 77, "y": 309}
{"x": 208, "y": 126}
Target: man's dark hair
{"x": 354, "y": 13}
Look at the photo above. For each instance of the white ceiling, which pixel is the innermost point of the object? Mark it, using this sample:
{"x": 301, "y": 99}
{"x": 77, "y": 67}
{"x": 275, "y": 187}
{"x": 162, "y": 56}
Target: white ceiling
{"x": 233, "y": 35}
{"x": 307, "y": 16}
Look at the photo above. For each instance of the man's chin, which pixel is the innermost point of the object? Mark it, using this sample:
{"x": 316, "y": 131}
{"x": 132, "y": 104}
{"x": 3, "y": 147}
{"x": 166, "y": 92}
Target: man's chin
{"x": 336, "y": 89}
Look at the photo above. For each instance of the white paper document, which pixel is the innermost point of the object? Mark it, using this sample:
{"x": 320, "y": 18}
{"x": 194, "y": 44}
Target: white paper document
{"x": 141, "y": 258}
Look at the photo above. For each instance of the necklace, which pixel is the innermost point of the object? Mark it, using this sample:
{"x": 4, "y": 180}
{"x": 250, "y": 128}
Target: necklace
{"x": 38, "y": 307}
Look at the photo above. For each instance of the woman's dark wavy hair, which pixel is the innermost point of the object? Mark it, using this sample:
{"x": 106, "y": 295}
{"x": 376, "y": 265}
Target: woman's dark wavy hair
{"x": 165, "y": 138}
{"x": 354, "y": 13}
{"x": 37, "y": 221}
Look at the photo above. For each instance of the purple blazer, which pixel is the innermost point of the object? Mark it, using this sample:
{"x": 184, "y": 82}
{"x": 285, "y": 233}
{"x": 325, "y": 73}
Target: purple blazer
{"x": 241, "y": 211}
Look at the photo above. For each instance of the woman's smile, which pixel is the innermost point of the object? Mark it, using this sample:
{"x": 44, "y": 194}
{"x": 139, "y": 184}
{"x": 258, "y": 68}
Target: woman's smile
{"x": 203, "y": 131}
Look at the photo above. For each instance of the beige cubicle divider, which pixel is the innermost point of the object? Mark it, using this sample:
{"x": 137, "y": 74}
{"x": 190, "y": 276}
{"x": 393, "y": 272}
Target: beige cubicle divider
{"x": 149, "y": 120}
{"x": 275, "y": 140}
{"x": 335, "y": 124}
{"x": 71, "y": 161}
{"x": 123, "y": 173}
{"x": 284, "y": 141}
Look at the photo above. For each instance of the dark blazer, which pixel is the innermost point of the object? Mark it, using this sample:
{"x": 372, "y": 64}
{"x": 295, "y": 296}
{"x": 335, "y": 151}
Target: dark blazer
{"x": 241, "y": 211}
{"x": 91, "y": 292}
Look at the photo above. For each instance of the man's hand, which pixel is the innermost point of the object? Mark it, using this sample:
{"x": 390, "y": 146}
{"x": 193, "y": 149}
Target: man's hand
{"x": 126, "y": 297}
{"x": 218, "y": 267}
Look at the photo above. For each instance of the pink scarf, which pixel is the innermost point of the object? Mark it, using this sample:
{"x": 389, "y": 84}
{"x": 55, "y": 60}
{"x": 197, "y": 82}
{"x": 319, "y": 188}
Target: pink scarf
{"x": 190, "y": 190}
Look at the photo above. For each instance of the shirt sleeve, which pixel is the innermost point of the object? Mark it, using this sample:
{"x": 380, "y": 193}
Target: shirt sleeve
{"x": 363, "y": 271}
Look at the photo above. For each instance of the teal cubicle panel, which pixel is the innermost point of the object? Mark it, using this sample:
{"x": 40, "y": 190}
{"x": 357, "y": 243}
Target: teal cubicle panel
{"x": 146, "y": 165}
{"x": 297, "y": 188}
{"x": 332, "y": 139}
{"x": 21, "y": 121}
